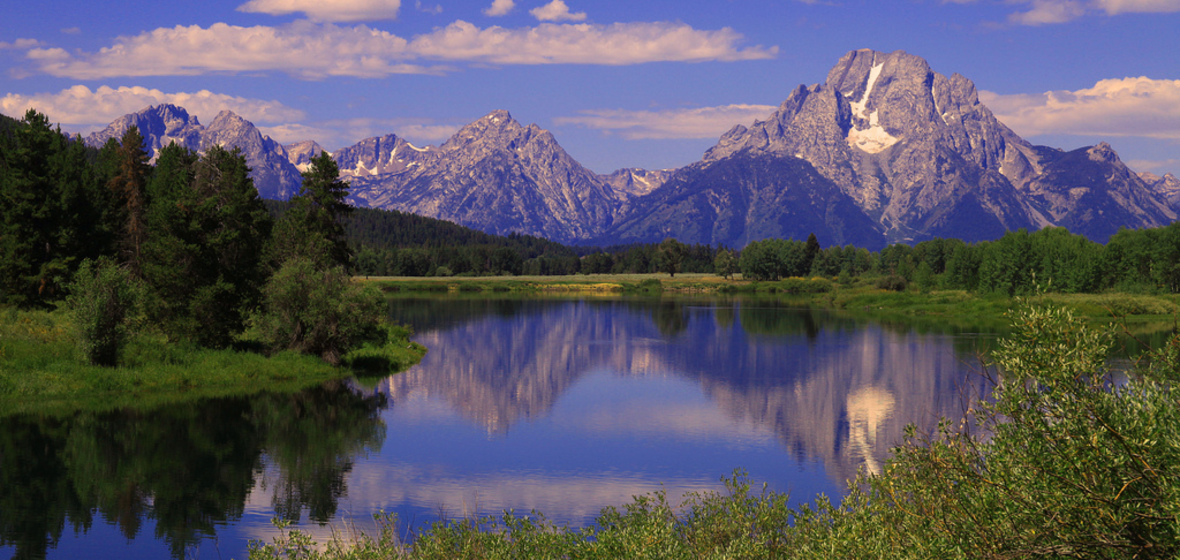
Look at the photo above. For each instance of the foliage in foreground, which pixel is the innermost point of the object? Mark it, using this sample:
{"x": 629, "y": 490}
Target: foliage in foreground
{"x": 1066, "y": 459}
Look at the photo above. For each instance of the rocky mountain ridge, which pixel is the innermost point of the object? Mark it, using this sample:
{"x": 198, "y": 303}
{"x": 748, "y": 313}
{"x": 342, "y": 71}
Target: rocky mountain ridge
{"x": 884, "y": 150}
{"x": 275, "y": 175}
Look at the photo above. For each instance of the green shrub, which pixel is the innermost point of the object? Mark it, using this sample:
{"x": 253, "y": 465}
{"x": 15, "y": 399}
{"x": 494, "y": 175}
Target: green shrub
{"x": 104, "y": 302}
{"x": 892, "y": 282}
{"x": 318, "y": 312}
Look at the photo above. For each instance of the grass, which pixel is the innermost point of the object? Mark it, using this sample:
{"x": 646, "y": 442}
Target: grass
{"x": 41, "y": 370}
{"x": 860, "y": 296}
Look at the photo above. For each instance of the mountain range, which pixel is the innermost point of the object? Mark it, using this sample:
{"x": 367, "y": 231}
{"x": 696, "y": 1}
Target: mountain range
{"x": 885, "y": 150}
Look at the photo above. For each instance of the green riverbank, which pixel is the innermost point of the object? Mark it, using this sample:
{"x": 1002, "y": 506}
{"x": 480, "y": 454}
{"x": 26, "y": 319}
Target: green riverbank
{"x": 41, "y": 370}
{"x": 859, "y": 296}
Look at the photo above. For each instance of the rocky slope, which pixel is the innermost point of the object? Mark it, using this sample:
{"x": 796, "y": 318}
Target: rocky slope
{"x": 884, "y": 150}
{"x": 922, "y": 157}
{"x": 270, "y": 166}
{"x": 494, "y": 174}
{"x": 300, "y": 153}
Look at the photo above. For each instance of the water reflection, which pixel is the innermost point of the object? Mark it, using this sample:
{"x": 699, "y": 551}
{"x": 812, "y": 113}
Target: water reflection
{"x": 185, "y": 470}
{"x": 827, "y": 388}
{"x": 564, "y": 406}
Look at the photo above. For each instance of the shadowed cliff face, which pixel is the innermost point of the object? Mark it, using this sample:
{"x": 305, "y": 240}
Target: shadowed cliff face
{"x": 827, "y": 389}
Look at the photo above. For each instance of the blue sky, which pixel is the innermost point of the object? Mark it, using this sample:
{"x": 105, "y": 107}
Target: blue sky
{"x": 648, "y": 83}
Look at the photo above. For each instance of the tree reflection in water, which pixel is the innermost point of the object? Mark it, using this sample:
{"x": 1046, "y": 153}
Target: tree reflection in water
{"x": 188, "y": 467}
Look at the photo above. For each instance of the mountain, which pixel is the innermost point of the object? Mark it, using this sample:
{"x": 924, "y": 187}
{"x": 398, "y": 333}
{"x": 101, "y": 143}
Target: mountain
{"x": 159, "y": 125}
{"x": 885, "y": 150}
{"x": 749, "y": 196}
{"x": 495, "y": 175}
{"x": 300, "y": 153}
{"x": 270, "y": 166}
{"x": 919, "y": 155}
{"x": 1167, "y": 187}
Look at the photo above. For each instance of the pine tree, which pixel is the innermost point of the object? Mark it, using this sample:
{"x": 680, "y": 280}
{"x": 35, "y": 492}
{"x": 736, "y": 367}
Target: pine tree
{"x": 45, "y": 207}
{"x": 129, "y": 186}
{"x": 312, "y": 227}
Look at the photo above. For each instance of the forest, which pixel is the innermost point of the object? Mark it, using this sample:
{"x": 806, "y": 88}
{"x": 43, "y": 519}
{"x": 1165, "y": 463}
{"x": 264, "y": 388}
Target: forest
{"x": 184, "y": 247}
{"x": 64, "y": 203}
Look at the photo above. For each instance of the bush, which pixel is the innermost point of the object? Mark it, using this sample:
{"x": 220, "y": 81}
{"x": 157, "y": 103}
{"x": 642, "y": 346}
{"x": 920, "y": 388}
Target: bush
{"x": 104, "y": 302}
{"x": 319, "y": 312}
{"x": 893, "y": 282}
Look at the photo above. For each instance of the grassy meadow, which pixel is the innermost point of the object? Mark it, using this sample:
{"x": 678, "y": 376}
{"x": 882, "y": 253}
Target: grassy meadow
{"x": 42, "y": 370}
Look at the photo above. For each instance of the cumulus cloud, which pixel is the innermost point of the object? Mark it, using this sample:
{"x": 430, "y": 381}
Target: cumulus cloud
{"x": 1154, "y": 166}
{"x": 614, "y": 44}
{"x": 1113, "y": 7}
{"x": 499, "y": 8}
{"x": 1140, "y": 107}
{"x": 327, "y": 10}
{"x": 21, "y": 44}
{"x": 314, "y": 51}
{"x": 1046, "y": 12}
{"x": 1049, "y": 11}
{"x": 556, "y": 11}
{"x": 345, "y": 132}
{"x": 700, "y": 122}
{"x": 301, "y": 49}
{"x": 79, "y": 109}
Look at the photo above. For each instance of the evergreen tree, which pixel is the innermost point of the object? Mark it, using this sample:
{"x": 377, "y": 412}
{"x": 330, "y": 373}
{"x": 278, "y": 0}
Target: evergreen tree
{"x": 46, "y": 209}
{"x": 129, "y": 186}
{"x": 203, "y": 257}
{"x": 312, "y": 226}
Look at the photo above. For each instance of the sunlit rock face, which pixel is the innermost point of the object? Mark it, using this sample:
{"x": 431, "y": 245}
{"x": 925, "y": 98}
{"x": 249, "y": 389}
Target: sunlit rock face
{"x": 159, "y": 126}
{"x": 922, "y": 157}
{"x": 274, "y": 175}
{"x": 300, "y": 153}
{"x": 916, "y": 150}
{"x": 494, "y": 175}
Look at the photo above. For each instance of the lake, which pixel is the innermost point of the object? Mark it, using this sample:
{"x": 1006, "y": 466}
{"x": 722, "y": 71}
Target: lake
{"x": 563, "y": 406}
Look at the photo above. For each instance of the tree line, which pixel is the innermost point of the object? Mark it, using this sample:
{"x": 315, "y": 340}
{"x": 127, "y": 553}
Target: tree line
{"x": 193, "y": 228}
{"x": 185, "y": 245}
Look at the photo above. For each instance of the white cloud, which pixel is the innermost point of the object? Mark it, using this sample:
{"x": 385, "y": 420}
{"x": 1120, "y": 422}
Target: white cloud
{"x": 701, "y": 122}
{"x": 1158, "y": 167}
{"x": 1139, "y": 107}
{"x": 79, "y": 109}
{"x": 346, "y": 132}
{"x": 21, "y": 44}
{"x": 615, "y": 44}
{"x": 556, "y": 11}
{"x": 315, "y": 51}
{"x": 1049, "y": 11}
{"x": 1113, "y": 7}
{"x": 301, "y": 49}
{"x": 1046, "y": 12}
{"x": 296, "y": 132}
{"x": 327, "y": 10}
{"x": 499, "y": 8}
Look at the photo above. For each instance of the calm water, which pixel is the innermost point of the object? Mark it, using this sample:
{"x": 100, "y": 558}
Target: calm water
{"x": 561, "y": 406}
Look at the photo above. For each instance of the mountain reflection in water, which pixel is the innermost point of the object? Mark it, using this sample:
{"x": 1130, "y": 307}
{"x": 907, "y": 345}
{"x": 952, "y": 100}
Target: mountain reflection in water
{"x": 828, "y": 389}
{"x": 563, "y": 406}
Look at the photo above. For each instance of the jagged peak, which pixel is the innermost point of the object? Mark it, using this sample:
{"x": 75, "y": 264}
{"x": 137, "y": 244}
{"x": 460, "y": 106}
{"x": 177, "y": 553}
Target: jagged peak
{"x": 225, "y": 117}
{"x": 1103, "y": 153}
